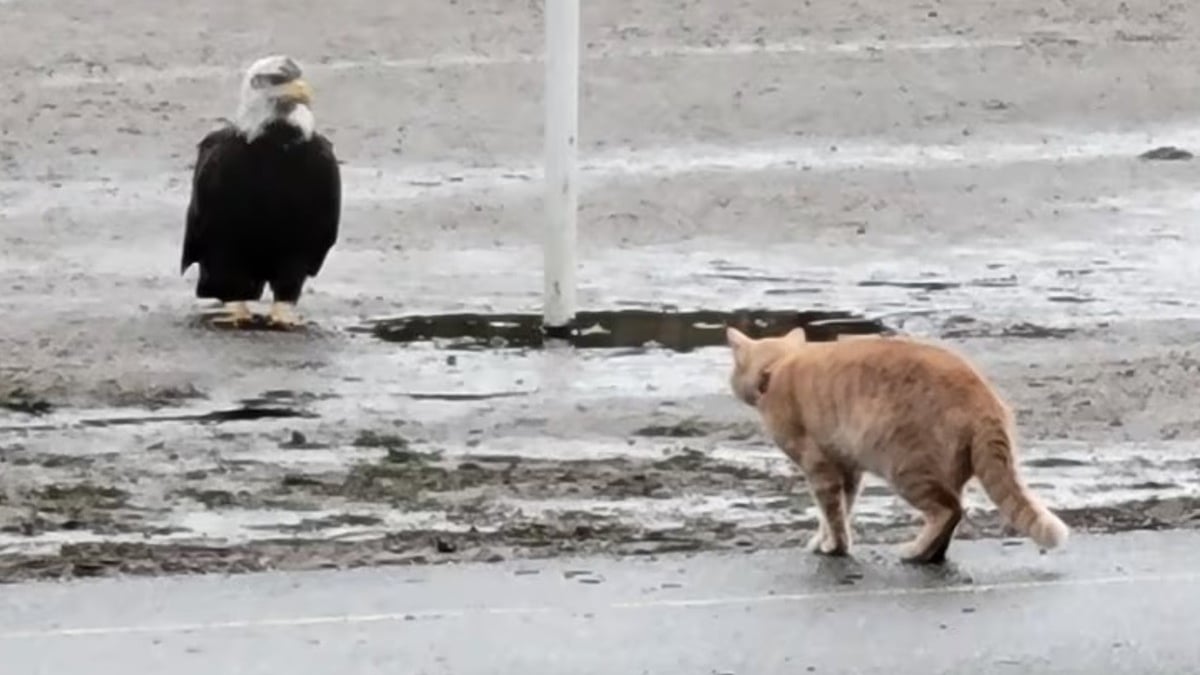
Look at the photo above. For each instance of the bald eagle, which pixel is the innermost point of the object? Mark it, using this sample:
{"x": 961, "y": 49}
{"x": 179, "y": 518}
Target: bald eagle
{"x": 266, "y": 198}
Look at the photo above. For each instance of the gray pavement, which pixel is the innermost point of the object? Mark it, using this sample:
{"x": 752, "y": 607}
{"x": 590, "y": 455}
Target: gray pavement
{"x": 1107, "y": 604}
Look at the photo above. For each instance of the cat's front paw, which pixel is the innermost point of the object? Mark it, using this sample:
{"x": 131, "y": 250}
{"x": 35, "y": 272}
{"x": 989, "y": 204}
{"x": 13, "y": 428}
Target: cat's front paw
{"x": 830, "y": 546}
{"x": 816, "y": 541}
{"x": 823, "y": 543}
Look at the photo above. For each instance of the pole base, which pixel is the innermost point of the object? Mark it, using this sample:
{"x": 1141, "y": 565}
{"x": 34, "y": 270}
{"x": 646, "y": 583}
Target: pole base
{"x": 564, "y": 332}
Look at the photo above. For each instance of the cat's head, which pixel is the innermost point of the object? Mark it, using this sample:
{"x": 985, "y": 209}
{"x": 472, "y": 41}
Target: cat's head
{"x": 752, "y": 360}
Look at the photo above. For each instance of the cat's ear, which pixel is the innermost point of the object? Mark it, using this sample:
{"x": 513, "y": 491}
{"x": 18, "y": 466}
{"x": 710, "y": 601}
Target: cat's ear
{"x": 737, "y": 339}
{"x": 796, "y": 335}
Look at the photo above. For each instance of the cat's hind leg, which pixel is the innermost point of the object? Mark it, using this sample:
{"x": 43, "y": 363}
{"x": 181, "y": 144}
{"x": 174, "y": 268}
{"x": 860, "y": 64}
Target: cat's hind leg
{"x": 941, "y": 508}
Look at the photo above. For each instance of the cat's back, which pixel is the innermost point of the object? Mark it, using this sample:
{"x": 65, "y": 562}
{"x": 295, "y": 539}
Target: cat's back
{"x": 898, "y": 368}
{"x": 900, "y": 350}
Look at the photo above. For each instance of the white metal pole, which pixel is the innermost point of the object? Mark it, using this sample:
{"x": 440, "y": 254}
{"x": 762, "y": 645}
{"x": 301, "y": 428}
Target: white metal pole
{"x": 561, "y": 129}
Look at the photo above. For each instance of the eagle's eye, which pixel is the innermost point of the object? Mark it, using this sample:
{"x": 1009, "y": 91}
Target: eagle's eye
{"x": 269, "y": 80}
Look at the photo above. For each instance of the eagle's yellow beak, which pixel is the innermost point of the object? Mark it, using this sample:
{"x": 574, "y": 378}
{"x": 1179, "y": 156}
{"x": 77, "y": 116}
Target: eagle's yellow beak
{"x": 298, "y": 91}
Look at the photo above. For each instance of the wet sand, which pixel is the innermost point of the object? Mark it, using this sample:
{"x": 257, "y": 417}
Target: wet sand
{"x": 971, "y": 174}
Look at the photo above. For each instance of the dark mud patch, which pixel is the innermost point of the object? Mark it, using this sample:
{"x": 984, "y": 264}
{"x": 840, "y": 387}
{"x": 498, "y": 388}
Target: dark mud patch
{"x": 1145, "y": 514}
{"x": 687, "y": 428}
{"x": 1168, "y": 153}
{"x": 240, "y": 414}
{"x": 150, "y": 398}
{"x": 70, "y": 507}
{"x": 257, "y": 323}
{"x": 577, "y": 534}
{"x": 16, "y": 455}
{"x": 928, "y": 286}
{"x": 694, "y": 427}
{"x": 405, "y": 480}
{"x": 409, "y": 480}
{"x": 298, "y": 441}
{"x": 373, "y": 439}
{"x": 1153, "y": 485}
{"x": 279, "y": 499}
{"x": 339, "y": 520}
{"x": 1054, "y": 463}
{"x": 413, "y": 503}
{"x": 78, "y": 496}
{"x": 966, "y": 329}
{"x": 1148, "y": 514}
{"x": 285, "y": 398}
{"x": 19, "y": 400}
{"x": 1025, "y": 329}
{"x": 216, "y": 498}
{"x": 245, "y": 414}
{"x": 1070, "y": 299}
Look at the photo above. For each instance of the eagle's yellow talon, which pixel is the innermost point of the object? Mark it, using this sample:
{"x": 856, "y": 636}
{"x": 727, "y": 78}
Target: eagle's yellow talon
{"x": 283, "y": 316}
{"x": 237, "y": 314}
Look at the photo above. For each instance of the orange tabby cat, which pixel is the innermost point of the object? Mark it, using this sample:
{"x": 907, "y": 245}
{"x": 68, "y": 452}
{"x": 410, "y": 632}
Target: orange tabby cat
{"x": 915, "y": 414}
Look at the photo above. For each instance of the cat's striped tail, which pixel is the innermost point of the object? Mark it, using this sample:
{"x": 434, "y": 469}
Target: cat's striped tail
{"x": 994, "y": 463}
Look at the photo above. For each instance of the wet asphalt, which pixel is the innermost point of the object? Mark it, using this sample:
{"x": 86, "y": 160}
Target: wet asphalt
{"x": 1111, "y": 604}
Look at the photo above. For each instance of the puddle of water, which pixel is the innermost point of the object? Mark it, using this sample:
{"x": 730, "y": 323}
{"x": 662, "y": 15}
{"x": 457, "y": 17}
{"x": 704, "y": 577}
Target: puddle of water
{"x": 629, "y": 328}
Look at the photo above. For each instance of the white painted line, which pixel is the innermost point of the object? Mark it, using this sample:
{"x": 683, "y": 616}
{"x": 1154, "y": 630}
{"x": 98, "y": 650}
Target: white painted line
{"x": 959, "y": 589}
{"x": 730, "y": 601}
{"x": 141, "y": 75}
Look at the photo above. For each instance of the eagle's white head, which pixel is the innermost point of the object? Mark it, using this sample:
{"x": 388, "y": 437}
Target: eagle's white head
{"x": 272, "y": 89}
